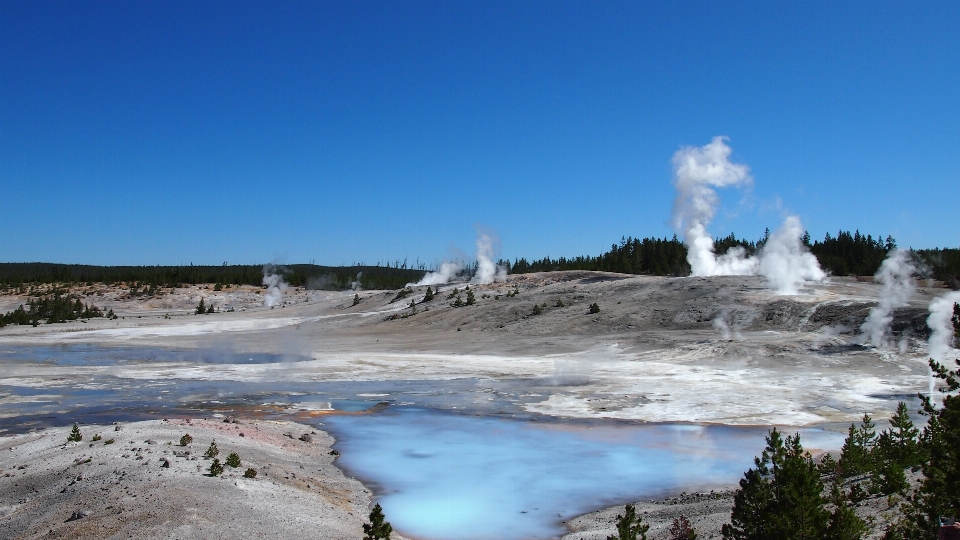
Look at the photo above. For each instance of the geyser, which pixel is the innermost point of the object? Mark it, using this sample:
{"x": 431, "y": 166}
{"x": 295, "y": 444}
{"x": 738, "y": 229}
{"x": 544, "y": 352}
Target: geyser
{"x": 487, "y": 270}
{"x": 896, "y": 275}
{"x": 783, "y": 259}
{"x": 940, "y": 321}
{"x": 274, "y": 283}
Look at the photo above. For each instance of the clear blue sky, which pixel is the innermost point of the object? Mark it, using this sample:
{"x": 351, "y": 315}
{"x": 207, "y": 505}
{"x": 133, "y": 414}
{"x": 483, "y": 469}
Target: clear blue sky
{"x": 174, "y": 132}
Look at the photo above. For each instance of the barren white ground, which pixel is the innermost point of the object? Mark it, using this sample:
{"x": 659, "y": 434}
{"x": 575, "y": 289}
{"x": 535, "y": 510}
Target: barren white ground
{"x": 651, "y": 354}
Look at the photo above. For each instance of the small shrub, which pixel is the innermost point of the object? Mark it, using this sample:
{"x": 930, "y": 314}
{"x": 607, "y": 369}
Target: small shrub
{"x": 458, "y": 302}
{"x": 233, "y": 460}
{"x": 186, "y": 439}
{"x": 402, "y": 293}
{"x": 216, "y": 468}
{"x": 75, "y": 435}
{"x": 356, "y": 300}
{"x": 250, "y": 473}
{"x": 212, "y": 450}
{"x": 378, "y": 528}
{"x": 218, "y": 287}
{"x": 429, "y": 295}
{"x": 681, "y": 529}
{"x": 559, "y": 303}
{"x": 96, "y": 437}
{"x": 594, "y": 308}
{"x": 630, "y": 525}
{"x": 537, "y": 310}
{"x": 201, "y": 308}
{"x": 109, "y": 441}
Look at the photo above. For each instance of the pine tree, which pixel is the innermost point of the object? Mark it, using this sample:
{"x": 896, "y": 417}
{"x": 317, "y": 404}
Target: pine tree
{"x": 212, "y": 450}
{"x": 216, "y": 468}
{"x": 781, "y": 498}
{"x": 844, "y": 522}
{"x": 233, "y": 460}
{"x": 855, "y": 455}
{"x": 471, "y": 299}
{"x": 378, "y": 529}
{"x": 75, "y": 435}
{"x": 429, "y": 295}
{"x": 896, "y": 449}
{"x": 201, "y": 308}
{"x": 630, "y": 525}
{"x": 356, "y": 299}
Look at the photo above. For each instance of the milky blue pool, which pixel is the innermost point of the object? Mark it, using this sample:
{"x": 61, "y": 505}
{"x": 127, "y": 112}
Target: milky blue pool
{"x": 457, "y": 477}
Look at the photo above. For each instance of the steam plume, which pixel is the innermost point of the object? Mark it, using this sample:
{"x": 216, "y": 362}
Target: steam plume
{"x": 783, "y": 260}
{"x": 941, "y": 325}
{"x": 487, "y": 270}
{"x": 355, "y": 284}
{"x": 697, "y": 172}
{"x": 896, "y": 276}
{"x": 448, "y": 270}
{"x": 275, "y": 285}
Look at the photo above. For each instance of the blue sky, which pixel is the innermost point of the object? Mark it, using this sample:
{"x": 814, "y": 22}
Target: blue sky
{"x": 176, "y": 132}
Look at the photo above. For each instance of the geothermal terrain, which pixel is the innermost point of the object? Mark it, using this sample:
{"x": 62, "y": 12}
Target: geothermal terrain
{"x": 706, "y": 351}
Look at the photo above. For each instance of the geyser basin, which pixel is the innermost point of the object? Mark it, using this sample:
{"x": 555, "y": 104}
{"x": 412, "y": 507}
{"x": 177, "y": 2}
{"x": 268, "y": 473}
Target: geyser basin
{"x": 460, "y": 477}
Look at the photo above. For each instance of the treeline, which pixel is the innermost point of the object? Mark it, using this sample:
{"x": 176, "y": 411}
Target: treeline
{"x": 841, "y": 255}
{"x": 298, "y": 275}
{"x": 655, "y": 256}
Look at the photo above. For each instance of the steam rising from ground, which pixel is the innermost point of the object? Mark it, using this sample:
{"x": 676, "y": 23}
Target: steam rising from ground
{"x": 783, "y": 259}
{"x": 448, "y": 270}
{"x": 487, "y": 270}
{"x": 896, "y": 276}
{"x": 940, "y": 321}
{"x": 275, "y": 285}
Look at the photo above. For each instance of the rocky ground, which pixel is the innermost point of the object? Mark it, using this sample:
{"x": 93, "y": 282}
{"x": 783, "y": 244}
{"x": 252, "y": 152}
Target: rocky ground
{"x": 136, "y": 481}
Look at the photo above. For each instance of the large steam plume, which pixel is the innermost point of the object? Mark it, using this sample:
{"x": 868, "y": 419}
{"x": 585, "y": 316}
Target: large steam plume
{"x": 896, "y": 275}
{"x": 697, "y": 172}
{"x": 275, "y": 285}
{"x": 487, "y": 270}
{"x": 940, "y": 321}
{"x": 783, "y": 260}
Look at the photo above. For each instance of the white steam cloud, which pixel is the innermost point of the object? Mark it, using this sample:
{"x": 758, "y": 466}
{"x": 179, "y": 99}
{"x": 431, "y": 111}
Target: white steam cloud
{"x": 275, "y": 285}
{"x": 783, "y": 260}
{"x": 355, "y": 284}
{"x": 697, "y": 171}
{"x": 443, "y": 275}
{"x": 896, "y": 275}
{"x": 940, "y": 321}
{"x": 487, "y": 270}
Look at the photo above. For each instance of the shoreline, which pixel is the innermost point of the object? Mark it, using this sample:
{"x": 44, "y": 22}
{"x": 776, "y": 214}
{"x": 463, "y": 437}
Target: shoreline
{"x": 143, "y": 484}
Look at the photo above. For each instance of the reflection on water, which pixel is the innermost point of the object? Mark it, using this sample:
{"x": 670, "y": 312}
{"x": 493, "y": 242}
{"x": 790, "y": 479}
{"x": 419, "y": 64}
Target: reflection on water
{"x": 452, "y": 476}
